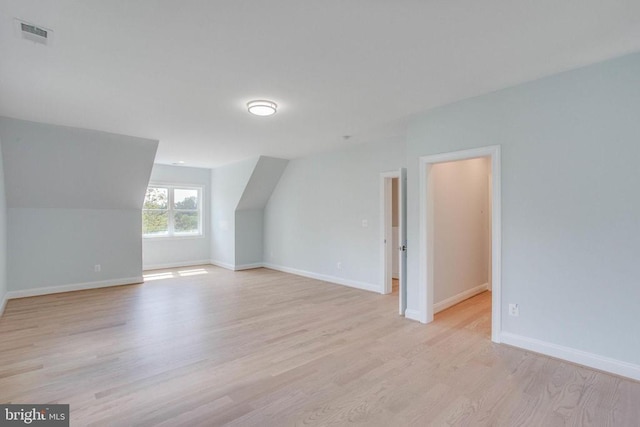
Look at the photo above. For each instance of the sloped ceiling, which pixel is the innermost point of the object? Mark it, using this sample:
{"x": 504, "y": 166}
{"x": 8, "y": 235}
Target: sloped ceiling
{"x": 262, "y": 182}
{"x": 50, "y": 166}
{"x": 229, "y": 183}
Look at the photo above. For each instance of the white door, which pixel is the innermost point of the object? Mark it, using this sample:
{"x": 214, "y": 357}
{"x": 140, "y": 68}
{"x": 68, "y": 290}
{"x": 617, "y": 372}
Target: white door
{"x": 402, "y": 248}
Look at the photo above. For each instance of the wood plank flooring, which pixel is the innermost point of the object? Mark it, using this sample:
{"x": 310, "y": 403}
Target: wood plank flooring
{"x": 207, "y": 346}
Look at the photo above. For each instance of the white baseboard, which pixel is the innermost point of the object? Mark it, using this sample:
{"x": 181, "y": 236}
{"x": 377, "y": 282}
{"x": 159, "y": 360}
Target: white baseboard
{"x": 74, "y": 287}
{"x": 412, "y": 314}
{"x": 222, "y": 264}
{"x": 175, "y": 265}
{"x": 325, "y": 278}
{"x": 580, "y": 357}
{"x": 248, "y": 266}
{"x": 449, "y": 302}
{"x": 239, "y": 267}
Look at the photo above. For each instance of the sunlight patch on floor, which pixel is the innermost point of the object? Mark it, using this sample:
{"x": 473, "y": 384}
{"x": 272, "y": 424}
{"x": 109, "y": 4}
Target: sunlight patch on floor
{"x": 174, "y": 274}
{"x": 193, "y": 272}
{"x": 158, "y": 276}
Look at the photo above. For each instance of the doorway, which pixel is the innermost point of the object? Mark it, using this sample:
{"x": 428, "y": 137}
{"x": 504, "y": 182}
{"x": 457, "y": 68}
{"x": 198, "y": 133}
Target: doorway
{"x": 393, "y": 235}
{"x": 435, "y": 254}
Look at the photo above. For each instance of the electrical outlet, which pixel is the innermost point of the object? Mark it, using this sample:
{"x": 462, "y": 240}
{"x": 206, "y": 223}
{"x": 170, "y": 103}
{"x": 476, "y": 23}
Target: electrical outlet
{"x": 339, "y": 265}
{"x": 97, "y": 268}
{"x": 365, "y": 223}
{"x": 514, "y": 310}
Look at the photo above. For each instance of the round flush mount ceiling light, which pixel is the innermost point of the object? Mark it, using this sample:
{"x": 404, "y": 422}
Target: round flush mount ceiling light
{"x": 262, "y": 107}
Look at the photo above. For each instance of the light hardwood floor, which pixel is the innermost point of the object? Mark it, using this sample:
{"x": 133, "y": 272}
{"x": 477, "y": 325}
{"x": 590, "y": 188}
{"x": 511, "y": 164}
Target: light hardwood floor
{"x": 206, "y": 346}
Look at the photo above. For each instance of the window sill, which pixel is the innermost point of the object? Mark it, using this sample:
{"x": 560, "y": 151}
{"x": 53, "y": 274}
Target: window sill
{"x": 169, "y": 238}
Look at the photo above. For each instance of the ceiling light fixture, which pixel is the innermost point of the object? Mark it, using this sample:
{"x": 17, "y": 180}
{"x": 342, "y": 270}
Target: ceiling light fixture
{"x": 262, "y": 107}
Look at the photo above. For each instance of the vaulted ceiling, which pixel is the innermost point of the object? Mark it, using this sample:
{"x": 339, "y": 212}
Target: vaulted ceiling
{"x": 182, "y": 71}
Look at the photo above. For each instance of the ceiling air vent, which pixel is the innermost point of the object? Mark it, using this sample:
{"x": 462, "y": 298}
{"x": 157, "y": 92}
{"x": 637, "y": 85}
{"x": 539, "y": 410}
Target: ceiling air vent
{"x": 34, "y": 33}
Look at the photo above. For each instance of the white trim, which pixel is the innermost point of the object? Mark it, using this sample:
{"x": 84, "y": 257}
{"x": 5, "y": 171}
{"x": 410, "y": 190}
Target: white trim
{"x": 412, "y": 314}
{"x": 573, "y": 355}
{"x": 238, "y": 267}
{"x": 248, "y": 266}
{"x": 496, "y": 244}
{"x": 425, "y": 316}
{"x": 449, "y": 302}
{"x": 402, "y": 241}
{"x": 222, "y": 264}
{"x": 171, "y": 210}
{"x": 325, "y": 278}
{"x": 175, "y": 265}
{"x": 425, "y": 285}
{"x": 74, "y": 287}
{"x": 158, "y": 238}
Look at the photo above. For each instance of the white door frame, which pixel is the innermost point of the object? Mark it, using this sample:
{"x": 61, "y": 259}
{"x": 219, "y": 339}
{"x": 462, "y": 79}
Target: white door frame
{"x": 386, "y": 248}
{"x": 425, "y": 293}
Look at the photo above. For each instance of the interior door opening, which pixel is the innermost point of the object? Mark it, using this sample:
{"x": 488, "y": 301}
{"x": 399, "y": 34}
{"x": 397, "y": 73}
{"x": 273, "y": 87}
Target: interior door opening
{"x": 460, "y": 217}
{"x": 393, "y": 236}
{"x": 460, "y": 233}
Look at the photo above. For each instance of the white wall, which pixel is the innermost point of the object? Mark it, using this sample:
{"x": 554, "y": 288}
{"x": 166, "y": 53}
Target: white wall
{"x": 56, "y": 247}
{"x": 314, "y": 217}
{"x": 570, "y": 202}
{"x": 164, "y": 252}
{"x": 227, "y": 186}
{"x": 240, "y": 193}
{"x": 250, "y": 210}
{"x": 249, "y": 237}
{"x": 460, "y": 217}
{"x": 3, "y": 236}
{"x": 74, "y": 199}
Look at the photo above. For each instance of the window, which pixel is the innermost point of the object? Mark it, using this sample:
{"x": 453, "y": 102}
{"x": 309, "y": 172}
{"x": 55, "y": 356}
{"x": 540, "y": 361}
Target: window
{"x": 172, "y": 211}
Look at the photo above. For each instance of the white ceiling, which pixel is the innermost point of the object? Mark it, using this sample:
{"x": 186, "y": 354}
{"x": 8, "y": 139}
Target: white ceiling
{"x": 182, "y": 71}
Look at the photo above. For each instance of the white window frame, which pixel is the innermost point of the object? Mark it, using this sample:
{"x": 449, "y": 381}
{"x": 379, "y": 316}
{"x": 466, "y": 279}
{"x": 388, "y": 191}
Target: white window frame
{"x": 171, "y": 233}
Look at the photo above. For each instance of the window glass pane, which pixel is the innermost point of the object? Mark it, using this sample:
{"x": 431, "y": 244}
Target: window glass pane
{"x": 156, "y": 198}
{"x": 185, "y": 199}
{"x": 155, "y": 222}
{"x": 186, "y": 222}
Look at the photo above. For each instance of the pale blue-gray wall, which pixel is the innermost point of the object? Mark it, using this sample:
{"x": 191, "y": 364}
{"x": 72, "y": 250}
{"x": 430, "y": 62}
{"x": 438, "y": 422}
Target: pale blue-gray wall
{"x": 313, "y": 219}
{"x": 570, "y": 201}
{"x": 240, "y": 192}
{"x": 227, "y": 185}
{"x": 249, "y": 218}
{"x": 74, "y": 199}
{"x": 159, "y": 252}
{"x": 249, "y": 237}
{"x": 56, "y": 247}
